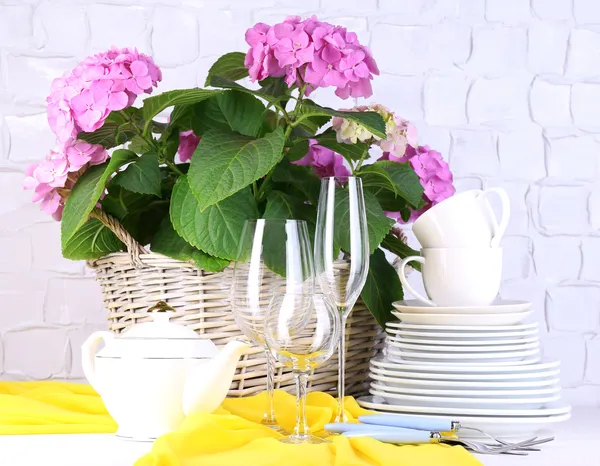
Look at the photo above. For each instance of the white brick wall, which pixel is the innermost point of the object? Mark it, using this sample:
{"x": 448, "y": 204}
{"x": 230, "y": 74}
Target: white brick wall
{"x": 509, "y": 91}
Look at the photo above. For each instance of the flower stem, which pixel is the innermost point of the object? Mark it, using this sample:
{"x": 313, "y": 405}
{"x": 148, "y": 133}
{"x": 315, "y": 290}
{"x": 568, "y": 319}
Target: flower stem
{"x": 361, "y": 160}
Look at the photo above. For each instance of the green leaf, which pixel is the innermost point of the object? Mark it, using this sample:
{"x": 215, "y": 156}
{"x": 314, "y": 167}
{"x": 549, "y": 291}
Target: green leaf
{"x": 156, "y": 104}
{"x": 207, "y": 115}
{"x": 382, "y": 288}
{"x": 370, "y": 120}
{"x": 243, "y": 112}
{"x": 168, "y": 242}
{"x": 142, "y": 176}
{"x": 87, "y": 191}
{"x": 350, "y": 152}
{"x": 92, "y": 241}
{"x": 139, "y": 145}
{"x": 298, "y": 150}
{"x": 396, "y": 246}
{"x": 274, "y": 86}
{"x": 378, "y": 224}
{"x": 312, "y": 123}
{"x": 397, "y": 177}
{"x": 224, "y": 163}
{"x": 224, "y": 83}
{"x": 109, "y": 135}
{"x": 302, "y": 178}
{"x": 140, "y": 214}
{"x": 387, "y": 199}
{"x": 217, "y": 229}
{"x": 229, "y": 66}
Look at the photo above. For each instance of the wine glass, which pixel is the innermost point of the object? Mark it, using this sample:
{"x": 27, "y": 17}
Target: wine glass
{"x": 302, "y": 330}
{"x": 274, "y": 256}
{"x": 342, "y": 255}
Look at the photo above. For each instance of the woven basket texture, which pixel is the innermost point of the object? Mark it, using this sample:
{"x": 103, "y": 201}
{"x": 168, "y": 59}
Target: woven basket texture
{"x": 134, "y": 281}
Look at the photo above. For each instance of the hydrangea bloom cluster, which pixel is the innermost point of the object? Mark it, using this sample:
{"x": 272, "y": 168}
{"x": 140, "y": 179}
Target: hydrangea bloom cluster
{"x": 324, "y": 161}
{"x": 400, "y": 133}
{"x": 312, "y": 52}
{"x": 80, "y": 101}
{"x": 433, "y": 172}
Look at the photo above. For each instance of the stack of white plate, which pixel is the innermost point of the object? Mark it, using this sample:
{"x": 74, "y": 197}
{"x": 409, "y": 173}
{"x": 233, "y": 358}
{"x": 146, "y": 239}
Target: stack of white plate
{"x": 479, "y": 366}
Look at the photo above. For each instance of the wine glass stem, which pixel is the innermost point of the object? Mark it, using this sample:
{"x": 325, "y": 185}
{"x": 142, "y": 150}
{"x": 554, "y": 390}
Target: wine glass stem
{"x": 301, "y": 428}
{"x": 341, "y": 415}
{"x": 269, "y": 417}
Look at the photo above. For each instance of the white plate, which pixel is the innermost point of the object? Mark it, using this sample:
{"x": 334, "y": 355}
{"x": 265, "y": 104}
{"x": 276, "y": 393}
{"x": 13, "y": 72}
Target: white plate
{"x": 391, "y": 379}
{"x": 463, "y": 319}
{"x": 542, "y": 377}
{"x": 387, "y": 387}
{"x": 530, "y": 369}
{"x": 461, "y": 349}
{"x": 496, "y": 425}
{"x": 462, "y": 357}
{"x": 473, "y": 330}
{"x": 512, "y": 362}
{"x": 464, "y": 405}
{"x": 500, "y": 306}
{"x": 449, "y": 340}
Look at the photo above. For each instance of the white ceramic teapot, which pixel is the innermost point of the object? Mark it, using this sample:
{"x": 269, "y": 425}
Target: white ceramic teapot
{"x": 156, "y": 373}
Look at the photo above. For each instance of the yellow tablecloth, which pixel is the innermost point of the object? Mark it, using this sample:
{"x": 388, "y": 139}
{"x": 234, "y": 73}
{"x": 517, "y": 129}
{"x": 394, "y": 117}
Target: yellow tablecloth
{"x": 231, "y": 436}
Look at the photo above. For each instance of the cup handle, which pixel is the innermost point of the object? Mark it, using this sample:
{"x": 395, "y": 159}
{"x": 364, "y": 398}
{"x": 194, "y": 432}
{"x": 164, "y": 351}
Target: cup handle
{"x": 405, "y": 283}
{"x": 499, "y": 227}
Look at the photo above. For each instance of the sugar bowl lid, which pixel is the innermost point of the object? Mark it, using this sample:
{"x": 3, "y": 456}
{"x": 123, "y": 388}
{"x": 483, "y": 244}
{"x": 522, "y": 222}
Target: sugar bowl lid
{"x": 159, "y": 339}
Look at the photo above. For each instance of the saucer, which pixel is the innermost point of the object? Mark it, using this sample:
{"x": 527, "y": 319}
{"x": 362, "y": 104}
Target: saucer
{"x": 500, "y": 306}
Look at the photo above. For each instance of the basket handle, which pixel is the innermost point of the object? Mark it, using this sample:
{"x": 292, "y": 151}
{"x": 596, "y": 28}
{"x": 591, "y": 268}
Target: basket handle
{"x": 133, "y": 247}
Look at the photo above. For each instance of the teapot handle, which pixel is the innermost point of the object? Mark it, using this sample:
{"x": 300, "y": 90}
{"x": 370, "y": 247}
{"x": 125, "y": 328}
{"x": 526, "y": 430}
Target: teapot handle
{"x": 88, "y": 353}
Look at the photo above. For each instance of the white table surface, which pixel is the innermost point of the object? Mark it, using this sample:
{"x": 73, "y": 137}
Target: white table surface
{"x": 577, "y": 444}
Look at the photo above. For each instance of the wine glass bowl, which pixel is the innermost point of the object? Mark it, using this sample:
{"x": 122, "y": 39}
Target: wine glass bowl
{"x": 274, "y": 256}
{"x": 302, "y": 330}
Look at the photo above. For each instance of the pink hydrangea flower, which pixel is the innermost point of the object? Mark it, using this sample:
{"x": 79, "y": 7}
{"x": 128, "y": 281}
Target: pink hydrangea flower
{"x": 324, "y": 161}
{"x": 82, "y": 99}
{"x": 81, "y": 153}
{"x": 79, "y": 101}
{"x": 312, "y": 52}
{"x": 434, "y": 175}
{"x": 188, "y": 142}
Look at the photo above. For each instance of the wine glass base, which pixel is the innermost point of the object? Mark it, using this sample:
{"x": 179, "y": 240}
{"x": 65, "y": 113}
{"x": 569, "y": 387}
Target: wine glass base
{"x": 275, "y": 427}
{"x": 307, "y": 438}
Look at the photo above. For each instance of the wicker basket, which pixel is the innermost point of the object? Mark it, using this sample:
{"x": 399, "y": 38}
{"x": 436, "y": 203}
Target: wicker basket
{"x": 133, "y": 281}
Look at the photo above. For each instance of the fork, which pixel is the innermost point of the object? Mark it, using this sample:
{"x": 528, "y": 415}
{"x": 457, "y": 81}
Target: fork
{"x": 423, "y": 423}
{"x": 411, "y": 436}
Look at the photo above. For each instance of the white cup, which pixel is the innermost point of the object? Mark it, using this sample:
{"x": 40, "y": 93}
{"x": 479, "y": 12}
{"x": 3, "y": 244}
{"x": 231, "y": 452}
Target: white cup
{"x": 462, "y": 221}
{"x": 457, "y": 276}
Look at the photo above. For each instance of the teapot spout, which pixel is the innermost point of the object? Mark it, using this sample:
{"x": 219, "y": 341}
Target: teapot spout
{"x": 207, "y": 384}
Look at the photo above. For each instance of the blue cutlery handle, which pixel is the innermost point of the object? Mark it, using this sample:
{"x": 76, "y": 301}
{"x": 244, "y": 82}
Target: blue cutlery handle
{"x": 342, "y": 427}
{"x": 392, "y": 436}
{"x": 409, "y": 422}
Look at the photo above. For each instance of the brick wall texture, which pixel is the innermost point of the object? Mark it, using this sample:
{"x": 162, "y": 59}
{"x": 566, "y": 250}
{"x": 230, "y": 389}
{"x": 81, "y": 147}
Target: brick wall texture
{"x": 507, "y": 90}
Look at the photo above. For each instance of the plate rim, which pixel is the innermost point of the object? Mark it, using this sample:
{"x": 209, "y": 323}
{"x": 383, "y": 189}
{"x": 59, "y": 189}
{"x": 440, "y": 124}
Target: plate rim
{"x": 467, "y": 328}
{"x": 465, "y": 348}
{"x": 474, "y": 342}
{"x": 481, "y": 418}
{"x": 450, "y": 399}
{"x": 456, "y": 383}
{"x": 428, "y": 368}
{"x": 457, "y": 376}
{"x": 420, "y": 305}
{"x": 493, "y": 355}
{"x": 549, "y": 390}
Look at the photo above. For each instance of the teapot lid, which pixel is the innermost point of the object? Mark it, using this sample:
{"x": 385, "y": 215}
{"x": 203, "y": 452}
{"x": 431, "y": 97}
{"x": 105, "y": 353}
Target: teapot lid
{"x": 160, "y": 327}
{"x": 159, "y": 339}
